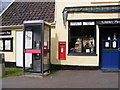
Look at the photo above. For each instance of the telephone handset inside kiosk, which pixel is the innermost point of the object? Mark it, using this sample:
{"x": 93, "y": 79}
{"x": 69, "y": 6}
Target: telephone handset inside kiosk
{"x": 37, "y": 46}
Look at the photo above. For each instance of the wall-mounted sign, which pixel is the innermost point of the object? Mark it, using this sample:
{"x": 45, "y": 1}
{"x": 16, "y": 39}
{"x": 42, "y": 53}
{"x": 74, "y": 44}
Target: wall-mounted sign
{"x": 82, "y": 23}
{"x": 109, "y": 22}
{"x": 6, "y": 32}
{"x": 75, "y": 23}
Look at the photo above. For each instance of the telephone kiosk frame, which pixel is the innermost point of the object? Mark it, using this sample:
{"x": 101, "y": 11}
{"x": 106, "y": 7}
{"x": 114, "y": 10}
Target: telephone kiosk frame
{"x": 36, "y": 46}
{"x": 111, "y": 54}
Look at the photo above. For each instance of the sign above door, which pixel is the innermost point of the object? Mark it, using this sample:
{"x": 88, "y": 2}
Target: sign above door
{"x": 108, "y": 22}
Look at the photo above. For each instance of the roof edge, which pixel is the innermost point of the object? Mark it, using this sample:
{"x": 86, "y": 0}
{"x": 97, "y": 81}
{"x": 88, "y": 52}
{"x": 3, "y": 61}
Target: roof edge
{"x": 12, "y": 26}
{"x": 20, "y": 26}
{"x": 33, "y": 21}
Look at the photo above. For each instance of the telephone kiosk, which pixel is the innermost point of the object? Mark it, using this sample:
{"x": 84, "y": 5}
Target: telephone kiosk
{"x": 111, "y": 53}
{"x": 36, "y": 49}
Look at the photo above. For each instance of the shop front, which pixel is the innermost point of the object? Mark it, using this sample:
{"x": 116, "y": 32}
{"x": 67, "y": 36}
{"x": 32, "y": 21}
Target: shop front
{"x": 90, "y": 35}
{"x": 82, "y": 41}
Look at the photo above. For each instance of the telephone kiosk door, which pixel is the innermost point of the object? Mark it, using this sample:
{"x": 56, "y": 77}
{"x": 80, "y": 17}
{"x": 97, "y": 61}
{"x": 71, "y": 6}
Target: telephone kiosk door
{"x": 111, "y": 54}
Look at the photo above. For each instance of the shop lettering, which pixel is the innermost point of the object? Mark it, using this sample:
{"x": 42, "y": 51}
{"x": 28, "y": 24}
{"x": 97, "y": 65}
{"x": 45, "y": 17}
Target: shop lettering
{"x": 88, "y": 23}
{"x": 75, "y": 23}
{"x": 2, "y": 33}
{"x": 109, "y": 22}
{"x": 81, "y": 23}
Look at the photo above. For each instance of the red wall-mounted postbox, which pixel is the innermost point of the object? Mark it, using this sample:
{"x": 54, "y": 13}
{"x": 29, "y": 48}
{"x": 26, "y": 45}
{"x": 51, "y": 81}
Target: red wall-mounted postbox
{"x": 62, "y": 50}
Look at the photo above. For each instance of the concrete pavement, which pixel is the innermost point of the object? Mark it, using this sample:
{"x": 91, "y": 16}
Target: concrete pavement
{"x": 66, "y": 79}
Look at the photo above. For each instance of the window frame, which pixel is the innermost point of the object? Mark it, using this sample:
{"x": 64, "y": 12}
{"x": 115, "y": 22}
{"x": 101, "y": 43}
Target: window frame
{"x": 11, "y": 44}
{"x": 69, "y": 36}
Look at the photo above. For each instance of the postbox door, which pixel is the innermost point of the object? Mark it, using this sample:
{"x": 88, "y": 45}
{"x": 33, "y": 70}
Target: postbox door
{"x": 62, "y": 50}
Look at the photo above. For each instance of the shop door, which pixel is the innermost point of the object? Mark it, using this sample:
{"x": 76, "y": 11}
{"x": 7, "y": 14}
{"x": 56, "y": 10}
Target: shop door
{"x": 110, "y": 47}
{"x": 111, "y": 54}
{"x": 19, "y": 48}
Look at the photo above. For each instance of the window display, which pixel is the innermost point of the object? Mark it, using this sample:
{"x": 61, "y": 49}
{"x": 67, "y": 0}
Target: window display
{"x": 85, "y": 44}
{"x": 78, "y": 45}
{"x": 82, "y": 39}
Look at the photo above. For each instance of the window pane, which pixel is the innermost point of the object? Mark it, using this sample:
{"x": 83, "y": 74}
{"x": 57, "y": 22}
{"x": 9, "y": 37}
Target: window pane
{"x": 7, "y": 44}
{"x": 1, "y": 44}
{"x": 46, "y": 60}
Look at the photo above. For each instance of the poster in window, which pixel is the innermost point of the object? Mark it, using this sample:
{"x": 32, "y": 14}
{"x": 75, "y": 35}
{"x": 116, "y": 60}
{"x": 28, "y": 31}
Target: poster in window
{"x": 28, "y": 39}
{"x": 1, "y": 44}
{"x": 107, "y": 44}
{"x": 7, "y": 45}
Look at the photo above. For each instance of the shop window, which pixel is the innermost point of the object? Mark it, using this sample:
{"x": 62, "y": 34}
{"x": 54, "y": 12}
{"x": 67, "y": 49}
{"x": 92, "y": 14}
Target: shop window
{"x": 6, "y": 44}
{"x": 82, "y": 37}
